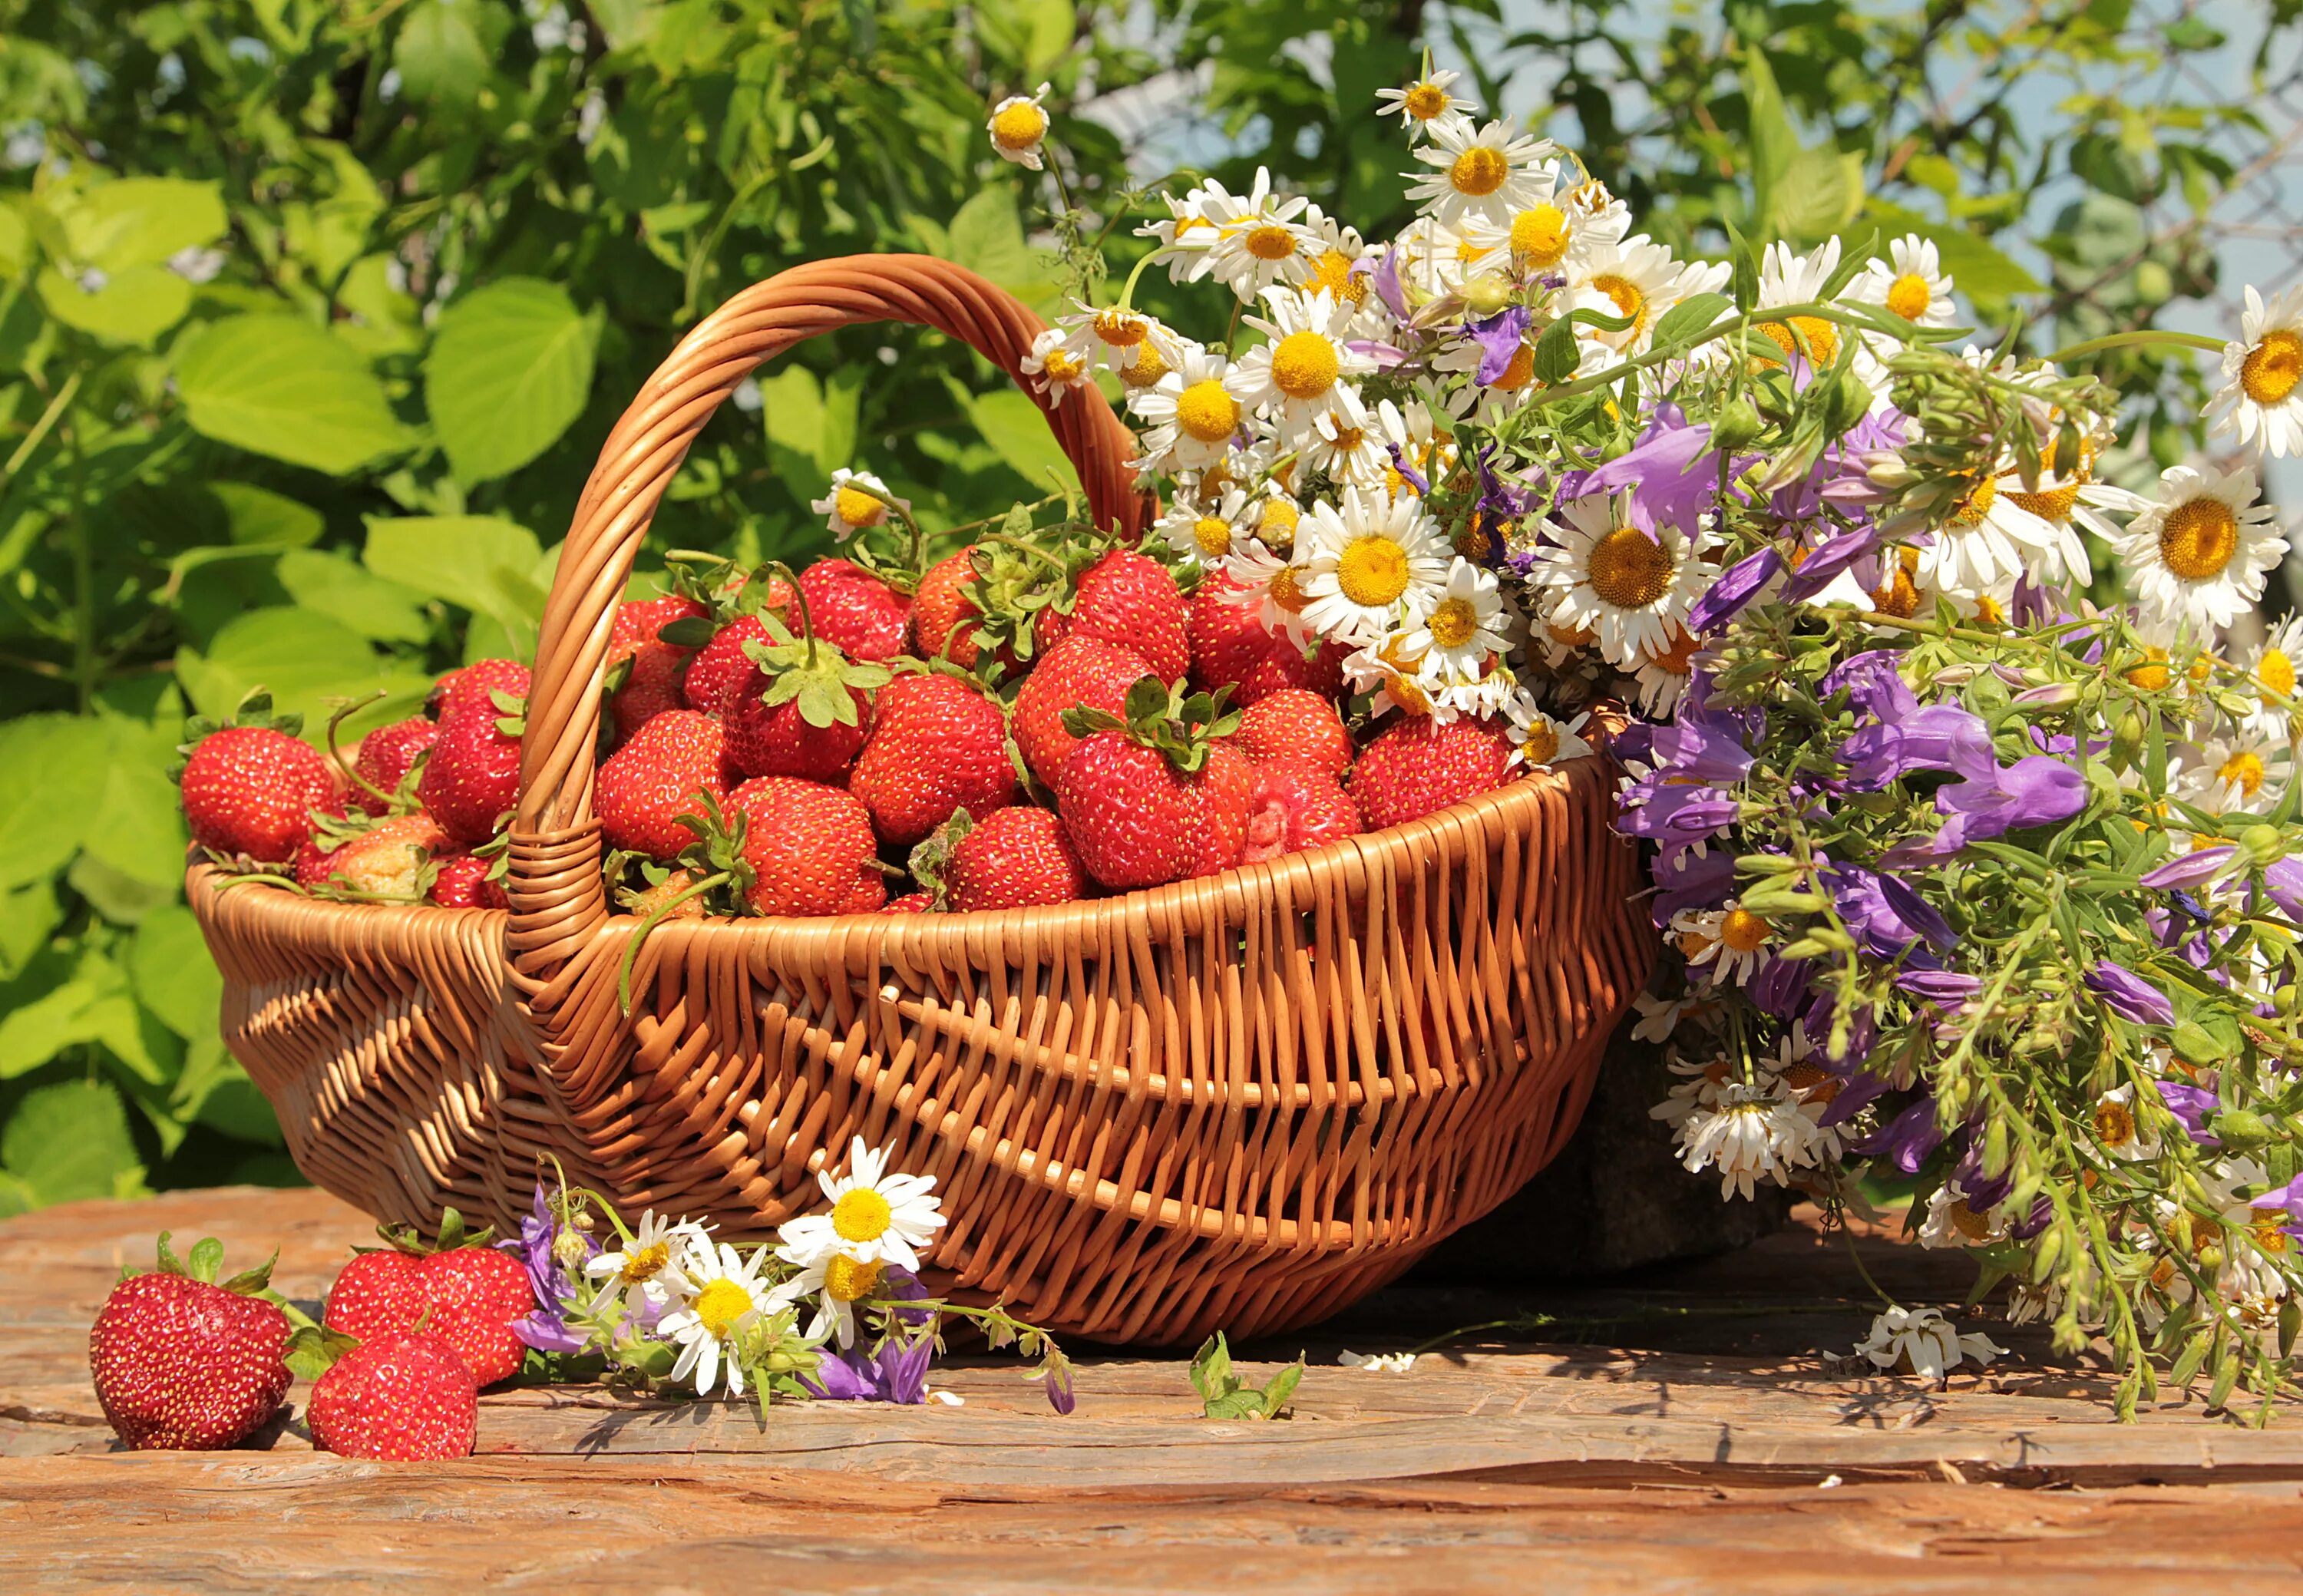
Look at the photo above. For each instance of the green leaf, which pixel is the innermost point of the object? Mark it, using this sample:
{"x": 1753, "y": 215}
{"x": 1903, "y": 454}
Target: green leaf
{"x": 214, "y": 1090}
{"x": 1689, "y": 317}
{"x": 1977, "y": 268}
{"x": 28, "y": 914}
{"x": 1015, "y": 427}
{"x": 283, "y": 387}
{"x": 142, "y": 221}
{"x": 70, "y": 1141}
{"x": 31, "y": 1033}
{"x": 1556, "y": 355}
{"x": 509, "y": 370}
{"x": 1820, "y": 193}
{"x": 303, "y": 658}
{"x": 133, "y": 306}
{"x": 258, "y": 517}
{"x": 440, "y": 55}
{"x": 329, "y": 584}
{"x": 1773, "y": 142}
{"x": 138, "y": 829}
{"x": 53, "y": 775}
{"x": 172, "y": 974}
{"x": 478, "y": 562}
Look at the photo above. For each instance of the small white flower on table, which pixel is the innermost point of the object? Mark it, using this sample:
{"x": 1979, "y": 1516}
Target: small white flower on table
{"x": 1380, "y": 1362}
{"x": 1923, "y": 1342}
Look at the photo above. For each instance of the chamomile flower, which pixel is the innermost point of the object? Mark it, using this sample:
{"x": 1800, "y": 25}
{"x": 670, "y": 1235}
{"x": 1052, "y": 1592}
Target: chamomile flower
{"x": 1273, "y": 586}
{"x": 1411, "y": 443}
{"x": 636, "y": 1270}
{"x": 1118, "y": 337}
{"x": 1483, "y": 168}
{"x": 2237, "y": 775}
{"x": 1638, "y": 278}
{"x": 1486, "y": 693}
{"x": 1190, "y": 413}
{"x": 1911, "y": 282}
{"x": 849, "y": 508}
{"x": 1987, "y": 543}
{"x": 1953, "y": 1222}
{"x": 1465, "y": 627}
{"x": 1660, "y": 1016}
{"x": 875, "y": 1217}
{"x": 1432, "y": 259}
{"x": 837, "y": 1282}
{"x": 2070, "y": 505}
{"x": 1274, "y": 518}
{"x": 714, "y": 1295}
{"x": 1753, "y": 1131}
{"x": 1306, "y": 361}
{"x": 1259, "y": 240}
{"x": 1809, "y": 342}
{"x": 1609, "y": 577}
{"x": 2201, "y": 550}
{"x": 1018, "y": 127}
{"x": 1344, "y": 442}
{"x": 1332, "y": 250}
{"x": 1727, "y": 944}
{"x": 1370, "y": 566}
{"x": 1202, "y": 532}
{"x": 1188, "y": 233}
{"x": 1398, "y": 679}
{"x": 1054, "y": 367}
{"x": 1501, "y": 393}
{"x": 1538, "y": 740}
{"x": 1541, "y": 237}
{"x": 2262, "y": 396}
{"x": 1921, "y": 1341}
{"x": 1425, "y": 102}
{"x": 2276, "y": 670}
{"x": 1664, "y": 677}
{"x": 2117, "y": 1128}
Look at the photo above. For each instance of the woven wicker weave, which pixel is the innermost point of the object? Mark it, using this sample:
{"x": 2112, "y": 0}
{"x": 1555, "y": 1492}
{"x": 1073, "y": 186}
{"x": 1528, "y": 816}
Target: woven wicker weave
{"x": 1239, "y": 1101}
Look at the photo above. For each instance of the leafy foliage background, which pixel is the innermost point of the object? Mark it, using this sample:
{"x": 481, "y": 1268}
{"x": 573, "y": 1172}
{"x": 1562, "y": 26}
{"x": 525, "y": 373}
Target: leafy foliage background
{"x": 314, "y": 312}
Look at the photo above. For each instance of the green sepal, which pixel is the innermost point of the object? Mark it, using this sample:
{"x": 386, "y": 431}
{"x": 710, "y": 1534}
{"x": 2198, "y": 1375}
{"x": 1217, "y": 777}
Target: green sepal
{"x": 313, "y": 1349}
{"x": 930, "y": 859}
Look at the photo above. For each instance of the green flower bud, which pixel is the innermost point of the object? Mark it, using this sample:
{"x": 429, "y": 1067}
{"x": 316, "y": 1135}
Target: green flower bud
{"x": 2241, "y": 1128}
{"x": 1486, "y": 293}
{"x": 2127, "y": 741}
{"x": 1738, "y": 425}
{"x": 2264, "y": 844}
{"x": 1845, "y": 401}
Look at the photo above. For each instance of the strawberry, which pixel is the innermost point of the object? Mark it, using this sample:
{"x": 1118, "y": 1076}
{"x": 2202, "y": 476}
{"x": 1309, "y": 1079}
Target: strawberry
{"x": 249, "y": 787}
{"x": 937, "y": 745}
{"x": 464, "y": 881}
{"x": 396, "y": 1397}
{"x": 179, "y": 1361}
{"x": 1415, "y": 767}
{"x": 1129, "y": 598}
{"x": 1296, "y": 724}
{"x": 802, "y": 710}
{"x": 1077, "y": 671}
{"x": 476, "y": 683}
{"x": 943, "y": 616}
{"x": 387, "y": 859}
{"x": 913, "y": 903}
{"x": 651, "y": 679}
{"x": 1295, "y": 805}
{"x": 471, "y": 778}
{"x": 386, "y": 755}
{"x": 721, "y": 664}
{"x": 664, "y": 896}
{"x": 331, "y": 823}
{"x": 1127, "y": 793}
{"x": 1232, "y": 648}
{"x": 809, "y": 847}
{"x": 454, "y": 1287}
{"x": 1222, "y": 794}
{"x": 1015, "y": 859}
{"x": 863, "y": 616}
{"x": 647, "y": 785}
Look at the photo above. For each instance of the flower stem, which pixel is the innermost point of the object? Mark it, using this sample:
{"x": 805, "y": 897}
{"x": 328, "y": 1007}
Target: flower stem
{"x": 639, "y": 933}
{"x": 2148, "y": 337}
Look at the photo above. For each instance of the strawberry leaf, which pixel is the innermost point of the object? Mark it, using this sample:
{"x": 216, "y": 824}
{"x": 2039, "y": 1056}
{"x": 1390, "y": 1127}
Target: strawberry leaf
{"x": 254, "y": 1282}
{"x": 312, "y": 1350}
{"x": 207, "y": 1253}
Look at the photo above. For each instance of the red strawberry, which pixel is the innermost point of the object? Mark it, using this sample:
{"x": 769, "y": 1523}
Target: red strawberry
{"x": 1295, "y": 805}
{"x": 472, "y": 777}
{"x": 476, "y": 684}
{"x": 937, "y": 745}
{"x": 913, "y": 903}
{"x": 1231, "y": 648}
{"x": 1222, "y": 793}
{"x": 651, "y": 684}
{"x": 721, "y": 664}
{"x": 801, "y": 711}
{"x": 384, "y": 860}
{"x": 330, "y": 825}
{"x": 468, "y": 1296}
{"x": 1127, "y": 597}
{"x": 1077, "y": 670}
{"x": 653, "y": 780}
{"x": 943, "y": 616}
{"x": 250, "y": 790}
{"x": 400, "y": 1397}
{"x": 1415, "y": 767}
{"x": 856, "y": 610}
{"x": 1015, "y": 859}
{"x": 1132, "y": 794}
{"x": 179, "y": 1361}
{"x": 810, "y": 848}
{"x": 463, "y": 881}
{"x": 1296, "y": 724}
{"x": 386, "y": 755}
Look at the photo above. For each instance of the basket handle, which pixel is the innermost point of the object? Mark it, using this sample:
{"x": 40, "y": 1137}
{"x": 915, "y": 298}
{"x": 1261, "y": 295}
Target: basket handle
{"x": 554, "y": 845}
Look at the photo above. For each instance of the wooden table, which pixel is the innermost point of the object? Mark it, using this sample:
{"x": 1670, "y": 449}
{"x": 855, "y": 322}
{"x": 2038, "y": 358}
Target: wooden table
{"x": 1703, "y": 1447}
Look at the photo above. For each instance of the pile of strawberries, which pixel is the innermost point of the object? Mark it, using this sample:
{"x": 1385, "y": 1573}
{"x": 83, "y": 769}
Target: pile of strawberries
{"x": 411, "y": 1331}
{"x": 1035, "y": 718}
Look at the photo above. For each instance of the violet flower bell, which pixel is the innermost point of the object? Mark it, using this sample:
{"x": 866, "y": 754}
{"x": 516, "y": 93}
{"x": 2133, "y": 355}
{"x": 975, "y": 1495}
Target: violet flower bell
{"x": 2129, "y": 995}
{"x": 541, "y": 1234}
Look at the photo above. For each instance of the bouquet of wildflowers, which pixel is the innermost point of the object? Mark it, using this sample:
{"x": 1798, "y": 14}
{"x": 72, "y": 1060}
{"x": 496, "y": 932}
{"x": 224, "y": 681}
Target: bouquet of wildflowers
{"x": 1975, "y": 839}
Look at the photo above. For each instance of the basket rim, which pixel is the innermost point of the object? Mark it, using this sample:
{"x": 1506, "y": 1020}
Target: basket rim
{"x": 203, "y": 877}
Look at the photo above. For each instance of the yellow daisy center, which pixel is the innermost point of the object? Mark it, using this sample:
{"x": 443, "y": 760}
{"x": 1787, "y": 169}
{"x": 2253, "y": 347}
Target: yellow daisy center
{"x": 1332, "y": 271}
{"x": 2242, "y": 770}
{"x": 1516, "y": 371}
{"x": 1206, "y": 412}
{"x": 1625, "y": 295}
{"x": 1372, "y": 571}
{"x": 1425, "y": 101}
{"x": 1974, "y": 1226}
{"x": 2273, "y": 367}
{"x": 1742, "y": 931}
{"x": 1908, "y": 296}
{"x": 1147, "y": 368}
{"x": 1822, "y": 340}
{"x": 1479, "y": 172}
{"x": 2269, "y": 1237}
{"x": 1590, "y": 195}
{"x": 2049, "y": 504}
{"x": 1304, "y": 365}
{"x": 2276, "y": 672}
{"x": 1628, "y": 569}
{"x": 1679, "y": 659}
{"x": 1901, "y": 596}
{"x": 846, "y": 1280}
{"x": 1284, "y": 591}
{"x": 2115, "y": 1125}
{"x": 641, "y": 1264}
{"x": 720, "y": 1305}
{"x": 1541, "y": 745}
{"x": 1119, "y": 329}
{"x": 862, "y": 1215}
{"x": 1475, "y": 541}
{"x": 1345, "y": 440}
{"x": 1059, "y": 366}
{"x": 1987, "y": 610}
{"x": 1212, "y": 536}
{"x": 1973, "y": 507}
{"x": 2153, "y": 676}
{"x": 1269, "y": 241}
{"x": 858, "y": 507}
{"x": 1539, "y": 236}
{"x": 2199, "y": 538}
{"x": 1276, "y": 530}
{"x": 1453, "y": 623}
{"x": 1018, "y": 126}
{"x": 1408, "y": 694}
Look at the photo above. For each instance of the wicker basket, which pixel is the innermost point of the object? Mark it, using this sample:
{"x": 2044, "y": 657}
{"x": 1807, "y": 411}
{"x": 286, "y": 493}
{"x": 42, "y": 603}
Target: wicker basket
{"x": 1239, "y": 1102}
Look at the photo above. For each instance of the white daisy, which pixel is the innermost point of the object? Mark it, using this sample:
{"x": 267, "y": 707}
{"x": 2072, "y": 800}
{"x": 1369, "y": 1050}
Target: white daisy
{"x": 1639, "y": 278}
{"x": 1911, "y": 282}
{"x": 1486, "y": 168}
{"x": 2068, "y": 505}
{"x": 2274, "y": 671}
{"x": 1273, "y": 586}
{"x": 838, "y": 1283}
{"x": 1538, "y": 740}
{"x": 1545, "y": 236}
{"x": 636, "y": 1268}
{"x": 1344, "y": 442}
{"x": 1409, "y": 683}
{"x": 1753, "y": 1131}
{"x": 2119, "y": 1129}
{"x": 1809, "y": 342}
{"x": 1189, "y": 413}
{"x": 1331, "y": 251}
{"x": 1952, "y": 1222}
{"x": 1118, "y": 337}
{"x": 1370, "y": 566}
{"x": 1660, "y": 1016}
{"x": 1663, "y": 678}
{"x": 1423, "y": 102}
{"x": 1200, "y": 532}
{"x": 1611, "y": 579}
{"x": 1018, "y": 126}
{"x": 2237, "y": 776}
{"x": 1485, "y": 694}
{"x": 2262, "y": 396}
{"x": 1305, "y": 360}
{"x": 715, "y": 1295}
{"x": 875, "y": 1217}
{"x": 1408, "y": 429}
{"x": 1377, "y": 1362}
{"x": 1728, "y": 943}
{"x": 1923, "y": 1342}
{"x": 849, "y": 508}
{"x": 1466, "y": 626}
{"x": 1987, "y": 543}
{"x": 2200, "y": 553}
{"x": 1433, "y": 259}
{"x": 1259, "y": 240}
{"x": 1054, "y": 365}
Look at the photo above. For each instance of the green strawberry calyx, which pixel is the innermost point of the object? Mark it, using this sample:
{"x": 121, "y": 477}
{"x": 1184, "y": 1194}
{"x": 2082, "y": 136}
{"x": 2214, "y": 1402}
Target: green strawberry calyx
{"x": 930, "y": 859}
{"x": 808, "y": 670}
{"x": 452, "y": 1234}
{"x": 254, "y": 710}
{"x": 206, "y": 1259}
{"x": 1179, "y": 725}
